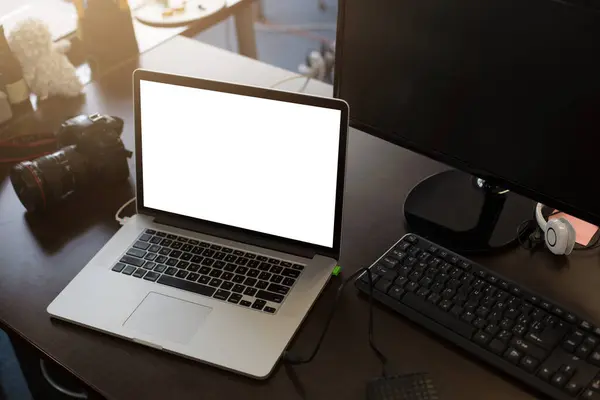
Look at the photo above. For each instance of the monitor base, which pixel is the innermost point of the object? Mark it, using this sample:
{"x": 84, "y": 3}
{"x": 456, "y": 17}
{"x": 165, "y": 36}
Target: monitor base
{"x": 462, "y": 213}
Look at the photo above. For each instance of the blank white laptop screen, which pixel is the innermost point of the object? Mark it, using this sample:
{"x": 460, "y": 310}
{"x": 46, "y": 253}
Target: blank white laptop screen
{"x": 264, "y": 165}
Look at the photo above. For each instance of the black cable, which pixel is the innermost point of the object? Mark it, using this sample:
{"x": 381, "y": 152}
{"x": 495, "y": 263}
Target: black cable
{"x": 292, "y": 360}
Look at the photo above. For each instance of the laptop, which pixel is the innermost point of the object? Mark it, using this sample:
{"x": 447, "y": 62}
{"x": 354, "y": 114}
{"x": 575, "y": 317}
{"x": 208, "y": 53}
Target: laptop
{"x": 239, "y": 208}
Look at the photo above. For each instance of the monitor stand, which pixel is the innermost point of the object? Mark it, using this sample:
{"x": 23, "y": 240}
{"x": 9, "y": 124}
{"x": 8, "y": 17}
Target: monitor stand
{"x": 464, "y": 214}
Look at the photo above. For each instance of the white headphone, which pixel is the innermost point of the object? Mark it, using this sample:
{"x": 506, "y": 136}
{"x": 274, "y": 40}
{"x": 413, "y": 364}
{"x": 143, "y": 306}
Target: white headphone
{"x": 559, "y": 234}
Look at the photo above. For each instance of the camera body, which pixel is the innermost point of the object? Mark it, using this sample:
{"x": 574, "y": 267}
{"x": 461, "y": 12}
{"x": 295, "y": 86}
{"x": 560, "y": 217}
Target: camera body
{"x": 91, "y": 152}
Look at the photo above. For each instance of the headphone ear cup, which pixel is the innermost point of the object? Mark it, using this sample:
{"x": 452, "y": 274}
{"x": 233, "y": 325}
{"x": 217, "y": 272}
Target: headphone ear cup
{"x": 556, "y": 236}
{"x": 571, "y": 236}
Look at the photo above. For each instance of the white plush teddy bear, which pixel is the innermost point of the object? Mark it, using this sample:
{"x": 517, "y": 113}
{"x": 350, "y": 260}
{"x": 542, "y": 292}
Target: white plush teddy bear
{"x": 46, "y": 69}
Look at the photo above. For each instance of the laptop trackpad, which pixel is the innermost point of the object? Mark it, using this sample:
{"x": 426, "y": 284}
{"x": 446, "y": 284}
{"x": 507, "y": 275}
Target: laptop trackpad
{"x": 167, "y": 318}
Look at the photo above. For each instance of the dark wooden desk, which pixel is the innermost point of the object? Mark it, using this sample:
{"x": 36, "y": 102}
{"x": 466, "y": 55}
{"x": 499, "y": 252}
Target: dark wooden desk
{"x": 38, "y": 257}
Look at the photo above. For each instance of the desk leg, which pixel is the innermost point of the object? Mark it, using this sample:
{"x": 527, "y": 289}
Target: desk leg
{"x": 244, "y": 29}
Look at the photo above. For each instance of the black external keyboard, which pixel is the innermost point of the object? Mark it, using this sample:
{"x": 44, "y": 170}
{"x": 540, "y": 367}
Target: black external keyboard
{"x": 247, "y": 279}
{"x": 500, "y": 322}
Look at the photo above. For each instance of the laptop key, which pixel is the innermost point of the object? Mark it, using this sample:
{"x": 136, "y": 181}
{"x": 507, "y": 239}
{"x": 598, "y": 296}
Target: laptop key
{"x": 276, "y": 278}
{"x": 182, "y": 264}
{"x": 181, "y": 274}
{"x": 273, "y": 261}
{"x": 118, "y": 267}
{"x": 166, "y": 242}
{"x": 298, "y": 267}
{"x": 276, "y": 269}
{"x": 273, "y": 297}
{"x": 286, "y": 264}
{"x": 204, "y": 279}
{"x": 288, "y": 282}
{"x": 250, "y": 291}
{"x": 241, "y": 270}
{"x": 227, "y": 250}
{"x": 226, "y": 285}
{"x": 239, "y": 288}
{"x": 161, "y": 259}
{"x": 291, "y": 273}
{"x": 176, "y": 253}
{"x": 176, "y": 245}
{"x": 234, "y": 298}
{"x": 160, "y": 268}
{"x": 230, "y": 267}
{"x": 262, "y": 285}
{"x": 182, "y": 239}
{"x": 204, "y": 270}
{"x": 197, "y": 259}
{"x": 165, "y": 251}
{"x": 171, "y": 262}
{"x": 215, "y": 273}
{"x": 193, "y": 268}
{"x": 128, "y": 270}
{"x": 242, "y": 261}
{"x": 278, "y": 289}
{"x": 253, "y": 273}
{"x": 186, "y": 285}
{"x": 221, "y": 294}
{"x": 227, "y": 276}
{"x": 141, "y": 245}
{"x": 150, "y": 256}
{"x": 138, "y": 262}
{"x": 215, "y": 247}
{"x": 149, "y": 265}
{"x": 197, "y": 250}
{"x": 230, "y": 258}
{"x": 264, "y": 276}
{"x": 151, "y": 276}
{"x": 264, "y": 266}
{"x": 139, "y": 272}
{"x": 208, "y": 253}
{"x": 187, "y": 247}
{"x": 258, "y": 304}
{"x": 250, "y": 256}
{"x": 136, "y": 253}
{"x": 187, "y": 256}
{"x": 171, "y": 271}
{"x": 245, "y": 303}
{"x": 154, "y": 248}
{"x": 150, "y": 231}
{"x": 193, "y": 276}
{"x": 208, "y": 262}
{"x": 269, "y": 309}
{"x": 238, "y": 253}
{"x": 253, "y": 263}
{"x": 238, "y": 278}
{"x": 161, "y": 234}
{"x": 193, "y": 242}
{"x": 171, "y": 236}
{"x": 203, "y": 244}
{"x": 262, "y": 258}
{"x": 250, "y": 281}
{"x": 219, "y": 264}
{"x": 219, "y": 256}
{"x": 215, "y": 282}
{"x": 155, "y": 240}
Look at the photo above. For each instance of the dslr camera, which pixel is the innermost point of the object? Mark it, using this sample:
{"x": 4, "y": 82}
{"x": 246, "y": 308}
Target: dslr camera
{"x": 92, "y": 152}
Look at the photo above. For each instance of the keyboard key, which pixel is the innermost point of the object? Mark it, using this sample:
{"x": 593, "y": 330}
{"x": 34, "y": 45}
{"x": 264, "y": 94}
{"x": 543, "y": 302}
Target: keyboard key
{"x": 187, "y": 248}
{"x": 151, "y": 276}
{"x": 559, "y": 380}
{"x": 227, "y": 276}
{"x": 186, "y": 285}
{"x": 528, "y": 348}
{"x": 166, "y": 242}
{"x": 253, "y": 263}
{"x": 291, "y": 273}
{"x": 238, "y": 278}
{"x": 272, "y": 297}
{"x": 227, "y": 285}
{"x": 149, "y": 265}
{"x": 234, "y": 298}
{"x": 171, "y": 236}
{"x": 165, "y": 251}
{"x": 276, "y": 269}
{"x": 482, "y": 338}
{"x": 208, "y": 262}
{"x": 529, "y": 364}
{"x": 253, "y": 273}
{"x": 155, "y": 240}
{"x": 140, "y": 272}
{"x": 150, "y": 231}
{"x": 382, "y": 285}
{"x": 150, "y": 256}
{"x": 283, "y": 290}
{"x": 138, "y": 262}
{"x": 269, "y": 309}
{"x": 264, "y": 276}
{"x": 219, "y": 256}
{"x": 545, "y": 373}
{"x": 221, "y": 294}
{"x": 161, "y": 234}
{"x": 238, "y": 288}
{"x": 128, "y": 270}
{"x": 568, "y": 370}
{"x": 245, "y": 303}
{"x": 513, "y": 355}
{"x": 230, "y": 267}
{"x": 250, "y": 291}
{"x": 197, "y": 259}
{"x": 288, "y": 282}
{"x": 219, "y": 264}
{"x": 118, "y": 267}
{"x": 171, "y": 271}
{"x": 181, "y": 274}
{"x": 239, "y": 253}
{"x": 241, "y": 270}
{"x": 161, "y": 259}
{"x": 183, "y": 264}
{"x": 258, "y": 304}
{"x": 250, "y": 281}
{"x": 171, "y": 262}
{"x": 204, "y": 279}
{"x": 186, "y": 256}
{"x": 193, "y": 276}
{"x": 215, "y": 273}
{"x": 208, "y": 253}
{"x": 215, "y": 282}
{"x": 573, "y": 388}
{"x": 298, "y": 267}
{"x": 141, "y": 245}
{"x": 193, "y": 268}
{"x": 396, "y": 292}
{"x": 176, "y": 245}
{"x": 497, "y": 346}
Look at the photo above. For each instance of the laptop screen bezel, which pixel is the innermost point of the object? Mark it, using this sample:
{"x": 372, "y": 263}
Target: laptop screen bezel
{"x": 230, "y": 232}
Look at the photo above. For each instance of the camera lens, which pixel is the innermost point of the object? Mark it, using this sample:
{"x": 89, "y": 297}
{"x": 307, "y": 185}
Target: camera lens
{"x": 49, "y": 179}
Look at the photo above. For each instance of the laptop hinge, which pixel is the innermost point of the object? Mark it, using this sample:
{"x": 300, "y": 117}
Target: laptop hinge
{"x": 238, "y": 235}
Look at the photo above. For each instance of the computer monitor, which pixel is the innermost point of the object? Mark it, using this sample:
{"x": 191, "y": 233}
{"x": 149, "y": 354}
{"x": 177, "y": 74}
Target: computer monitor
{"x": 505, "y": 91}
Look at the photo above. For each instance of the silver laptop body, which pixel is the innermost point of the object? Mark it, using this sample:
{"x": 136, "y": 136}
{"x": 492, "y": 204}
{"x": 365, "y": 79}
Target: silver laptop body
{"x": 238, "y": 224}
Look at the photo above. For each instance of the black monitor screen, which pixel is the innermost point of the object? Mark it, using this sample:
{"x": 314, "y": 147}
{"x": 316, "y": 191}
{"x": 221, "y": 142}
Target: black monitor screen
{"x": 508, "y": 90}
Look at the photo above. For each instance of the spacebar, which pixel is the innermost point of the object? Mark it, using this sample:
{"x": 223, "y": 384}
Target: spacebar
{"x": 187, "y": 285}
{"x": 438, "y": 315}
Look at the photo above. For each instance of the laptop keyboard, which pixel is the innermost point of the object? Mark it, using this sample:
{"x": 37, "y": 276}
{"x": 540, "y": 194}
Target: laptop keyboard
{"x": 227, "y": 274}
